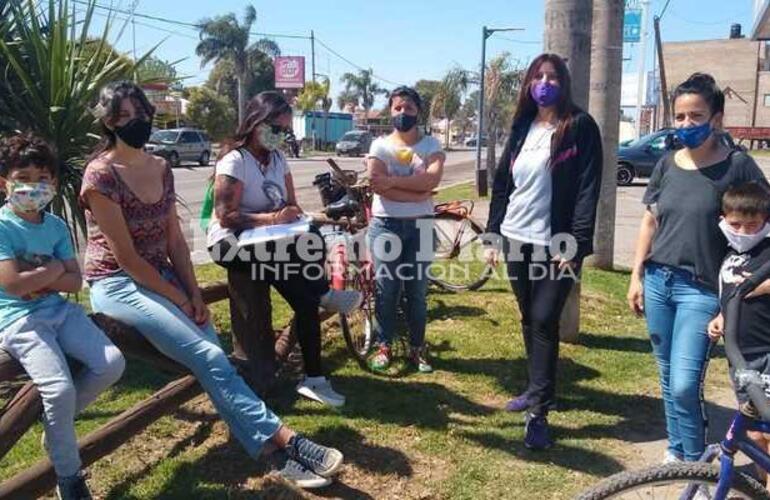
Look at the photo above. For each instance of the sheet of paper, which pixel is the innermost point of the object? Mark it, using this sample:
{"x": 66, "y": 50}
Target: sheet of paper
{"x": 263, "y": 234}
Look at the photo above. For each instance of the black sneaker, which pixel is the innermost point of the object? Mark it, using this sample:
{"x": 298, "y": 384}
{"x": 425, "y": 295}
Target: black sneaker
{"x": 73, "y": 488}
{"x": 322, "y": 460}
{"x": 296, "y": 473}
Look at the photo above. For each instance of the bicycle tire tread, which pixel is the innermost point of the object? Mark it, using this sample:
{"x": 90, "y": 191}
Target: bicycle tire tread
{"x": 689, "y": 471}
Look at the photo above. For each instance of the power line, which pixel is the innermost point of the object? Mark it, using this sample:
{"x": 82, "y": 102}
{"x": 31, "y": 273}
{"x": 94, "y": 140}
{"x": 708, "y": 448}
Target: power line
{"x": 334, "y": 52}
{"x": 526, "y": 42}
{"x": 195, "y": 26}
{"x": 664, "y": 9}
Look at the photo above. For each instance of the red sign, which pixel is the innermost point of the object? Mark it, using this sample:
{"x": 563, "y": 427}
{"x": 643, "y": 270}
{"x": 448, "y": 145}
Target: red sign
{"x": 289, "y": 72}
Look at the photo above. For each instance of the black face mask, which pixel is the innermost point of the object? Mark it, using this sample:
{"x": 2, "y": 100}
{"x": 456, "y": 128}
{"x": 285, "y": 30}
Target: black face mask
{"x": 404, "y": 122}
{"x": 135, "y": 133}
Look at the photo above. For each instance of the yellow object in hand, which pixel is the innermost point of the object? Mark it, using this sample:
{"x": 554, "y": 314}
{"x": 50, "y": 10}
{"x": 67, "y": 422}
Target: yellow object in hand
{"x": 404, "y": 156}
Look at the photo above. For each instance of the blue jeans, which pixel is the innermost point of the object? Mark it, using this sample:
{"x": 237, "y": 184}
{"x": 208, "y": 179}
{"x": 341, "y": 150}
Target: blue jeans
{"x": 178, "y": 337}
{"x": 678, "y": 311}
{"x": 39, "y": 342}
{"x": 402, "y": 251}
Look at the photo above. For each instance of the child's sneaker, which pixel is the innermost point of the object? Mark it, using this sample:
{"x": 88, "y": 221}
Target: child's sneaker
{"x": 320, "y": 389}
{"x": 381, "y": 359}
{"x": 73, "y": 488}
{"x": 296, "y": 473}
{"x": 341, "y": 301}
{"x": 322, "y": 460}
{"x": 670, "y": 457}
{"x": 418, "y": 357}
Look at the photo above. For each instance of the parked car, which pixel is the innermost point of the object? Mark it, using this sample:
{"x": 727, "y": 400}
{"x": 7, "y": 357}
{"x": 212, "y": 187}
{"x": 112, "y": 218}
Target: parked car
{"x": 638, "y": 158}
{"x": 354, "y": 143}
{"x": 181, "y": 144}
{"x": 471, "y": 143}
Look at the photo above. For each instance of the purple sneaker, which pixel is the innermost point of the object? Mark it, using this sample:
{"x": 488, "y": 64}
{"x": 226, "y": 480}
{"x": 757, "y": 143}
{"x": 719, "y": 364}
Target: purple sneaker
{"x": 536, "y": 435}
{"x": 518, "y": 404}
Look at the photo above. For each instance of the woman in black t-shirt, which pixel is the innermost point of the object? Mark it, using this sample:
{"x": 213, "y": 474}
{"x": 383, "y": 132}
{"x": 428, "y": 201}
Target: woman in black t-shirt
{"x": 678, "y": 254}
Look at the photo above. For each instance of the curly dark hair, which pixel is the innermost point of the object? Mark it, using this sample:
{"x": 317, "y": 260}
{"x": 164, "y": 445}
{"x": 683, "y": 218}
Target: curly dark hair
{"x": 25, "y": 150}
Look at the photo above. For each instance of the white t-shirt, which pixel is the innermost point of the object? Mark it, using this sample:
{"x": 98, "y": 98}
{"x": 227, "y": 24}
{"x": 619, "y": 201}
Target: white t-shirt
{"x": 528, "y": 217}
{"x": 389, "y": 153}
{"x": 264, "y": 188}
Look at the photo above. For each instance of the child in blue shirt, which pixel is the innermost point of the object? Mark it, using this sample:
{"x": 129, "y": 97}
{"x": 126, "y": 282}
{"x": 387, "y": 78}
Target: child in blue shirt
{"x": 38, "y": 327}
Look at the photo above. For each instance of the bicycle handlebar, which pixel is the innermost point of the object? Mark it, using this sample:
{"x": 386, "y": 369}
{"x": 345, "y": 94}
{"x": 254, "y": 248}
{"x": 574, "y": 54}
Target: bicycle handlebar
{"x": 755, "y": 391}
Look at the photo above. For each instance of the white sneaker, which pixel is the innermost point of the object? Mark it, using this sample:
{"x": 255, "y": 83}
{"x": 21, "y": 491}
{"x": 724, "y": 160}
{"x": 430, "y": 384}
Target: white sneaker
{"x": 320, "y": 389}
{"x": 671, "y": 458}
{"x": 341, "y": 301}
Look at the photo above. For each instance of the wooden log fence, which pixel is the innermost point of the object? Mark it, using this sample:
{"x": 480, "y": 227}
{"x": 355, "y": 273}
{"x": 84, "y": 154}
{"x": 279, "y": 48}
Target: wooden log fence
{"x": 247, "y": 308}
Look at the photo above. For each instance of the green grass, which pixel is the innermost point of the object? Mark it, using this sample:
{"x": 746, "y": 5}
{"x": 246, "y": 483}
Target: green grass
{"x": 463, "y": 191}
{"x": 420, "y": 436}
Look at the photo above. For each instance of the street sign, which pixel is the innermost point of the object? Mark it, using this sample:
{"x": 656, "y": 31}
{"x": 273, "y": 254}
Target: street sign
{"x": 632, "y": 25}
{"x": 289, "y": 72}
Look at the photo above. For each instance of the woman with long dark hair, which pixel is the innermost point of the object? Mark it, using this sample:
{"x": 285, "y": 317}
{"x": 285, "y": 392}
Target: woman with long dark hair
{"x": 139, "y": 270}
{"x": 544, "y": 206}
{"x": 679, "y": 251}
{"x": 253, "y": 187}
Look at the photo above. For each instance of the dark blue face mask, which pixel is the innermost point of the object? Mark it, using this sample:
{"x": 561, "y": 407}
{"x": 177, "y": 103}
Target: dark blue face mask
{"x": 694, "y": 137}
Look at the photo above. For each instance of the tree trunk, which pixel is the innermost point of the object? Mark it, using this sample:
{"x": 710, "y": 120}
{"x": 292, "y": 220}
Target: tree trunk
{"x": 604, "y": 105}
{"x": 241, "y": 98}
{"x": 568, "y": 34}
{"x": 447, "y": 132}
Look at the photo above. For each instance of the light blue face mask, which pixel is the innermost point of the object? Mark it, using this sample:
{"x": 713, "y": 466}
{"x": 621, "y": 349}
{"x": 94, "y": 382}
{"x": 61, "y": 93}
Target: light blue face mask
{"x": 694, "y": 137}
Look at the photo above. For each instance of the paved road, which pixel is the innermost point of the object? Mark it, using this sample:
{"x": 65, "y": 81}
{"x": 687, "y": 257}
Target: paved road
{"x": 191, "y": 180}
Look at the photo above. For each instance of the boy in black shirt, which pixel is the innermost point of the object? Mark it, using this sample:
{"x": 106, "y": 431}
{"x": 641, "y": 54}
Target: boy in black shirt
{"x": 745, "y": 224}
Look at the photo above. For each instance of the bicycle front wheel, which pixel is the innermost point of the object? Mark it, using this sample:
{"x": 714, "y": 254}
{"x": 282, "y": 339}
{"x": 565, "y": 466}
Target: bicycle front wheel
{"x": 458, "y": 264}
{"x": 689, "y": 480}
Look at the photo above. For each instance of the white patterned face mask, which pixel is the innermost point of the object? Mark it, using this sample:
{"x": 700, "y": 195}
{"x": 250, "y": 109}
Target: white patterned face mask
{"x": 30, "y": 196}
{"x": 742, "y": 243}
{"x": 271, "y": 137}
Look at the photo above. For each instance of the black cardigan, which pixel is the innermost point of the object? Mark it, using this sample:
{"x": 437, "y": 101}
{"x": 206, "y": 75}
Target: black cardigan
{"x": 577, "y": 174}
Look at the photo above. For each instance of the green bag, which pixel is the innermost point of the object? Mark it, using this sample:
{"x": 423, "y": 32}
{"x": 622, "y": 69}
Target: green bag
{"x": 208, "y": 206}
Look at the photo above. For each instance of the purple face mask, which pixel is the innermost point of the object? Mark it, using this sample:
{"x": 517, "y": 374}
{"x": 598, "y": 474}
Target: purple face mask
{"x": 545, "y": 94}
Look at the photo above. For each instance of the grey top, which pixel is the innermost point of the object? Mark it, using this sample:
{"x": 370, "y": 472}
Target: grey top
{"x": 687, "y": 205}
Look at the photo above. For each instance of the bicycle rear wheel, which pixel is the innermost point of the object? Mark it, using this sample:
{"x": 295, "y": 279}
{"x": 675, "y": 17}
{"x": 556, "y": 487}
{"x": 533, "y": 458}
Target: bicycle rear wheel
{"x": 358, "y": 326}
{"x": 690, "y": 481}
{"x": 458, "y": 264}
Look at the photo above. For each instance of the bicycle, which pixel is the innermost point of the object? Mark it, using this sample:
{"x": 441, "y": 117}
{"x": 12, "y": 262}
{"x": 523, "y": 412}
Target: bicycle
{"x": 702, "y": 479}
{"x": 348, "y": 212}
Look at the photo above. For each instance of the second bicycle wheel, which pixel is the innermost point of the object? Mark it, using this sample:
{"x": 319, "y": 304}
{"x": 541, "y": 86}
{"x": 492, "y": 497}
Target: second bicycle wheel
{"x": 458, "y": 264}
{"x": 689, "y": 480}
{"x": 358, "y": 326}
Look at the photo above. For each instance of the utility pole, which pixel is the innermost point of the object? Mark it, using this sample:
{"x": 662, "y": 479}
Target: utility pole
{"x": 662, "y": 65}
{"x": 604, "y": 106}
{"x": 481, "y": 170}
{"x": 312, "y": 54}
{"x": 568, "y": 25}
{"x": 642, "y": 65}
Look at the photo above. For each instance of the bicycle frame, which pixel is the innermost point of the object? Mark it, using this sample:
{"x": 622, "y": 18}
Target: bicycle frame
{"x": 736, "y": 439}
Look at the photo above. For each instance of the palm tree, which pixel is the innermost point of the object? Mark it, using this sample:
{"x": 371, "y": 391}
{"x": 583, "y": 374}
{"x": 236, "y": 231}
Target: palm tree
{"x": 364, "y": 89}
{"x": 52, "y": 74}
{"x": 313, "y": 96}
{"x": 345, "y": 98}
{"x": 448, "y": 97}
{"x": 224, "y": 38}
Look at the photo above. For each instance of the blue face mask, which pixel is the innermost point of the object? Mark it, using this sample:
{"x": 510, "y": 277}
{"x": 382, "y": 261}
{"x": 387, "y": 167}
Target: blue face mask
{"x": 694, "y": 137}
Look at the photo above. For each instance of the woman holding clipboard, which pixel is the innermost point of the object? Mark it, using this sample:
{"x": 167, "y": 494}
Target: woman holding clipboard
{"x": 253, "y": 188}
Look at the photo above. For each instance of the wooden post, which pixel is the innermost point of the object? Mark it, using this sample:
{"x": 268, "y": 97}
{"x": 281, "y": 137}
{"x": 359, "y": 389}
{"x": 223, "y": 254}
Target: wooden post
{"x": 19, "y": 414}
{"x": 40, "y": 478}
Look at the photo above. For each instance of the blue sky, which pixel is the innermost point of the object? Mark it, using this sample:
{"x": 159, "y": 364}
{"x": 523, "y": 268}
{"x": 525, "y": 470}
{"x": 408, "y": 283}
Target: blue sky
{"x": 404, "y": 40}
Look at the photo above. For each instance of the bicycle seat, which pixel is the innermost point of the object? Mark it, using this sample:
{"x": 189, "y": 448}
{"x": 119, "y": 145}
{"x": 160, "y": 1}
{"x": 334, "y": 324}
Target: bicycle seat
{"x": 344, "y": 207}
